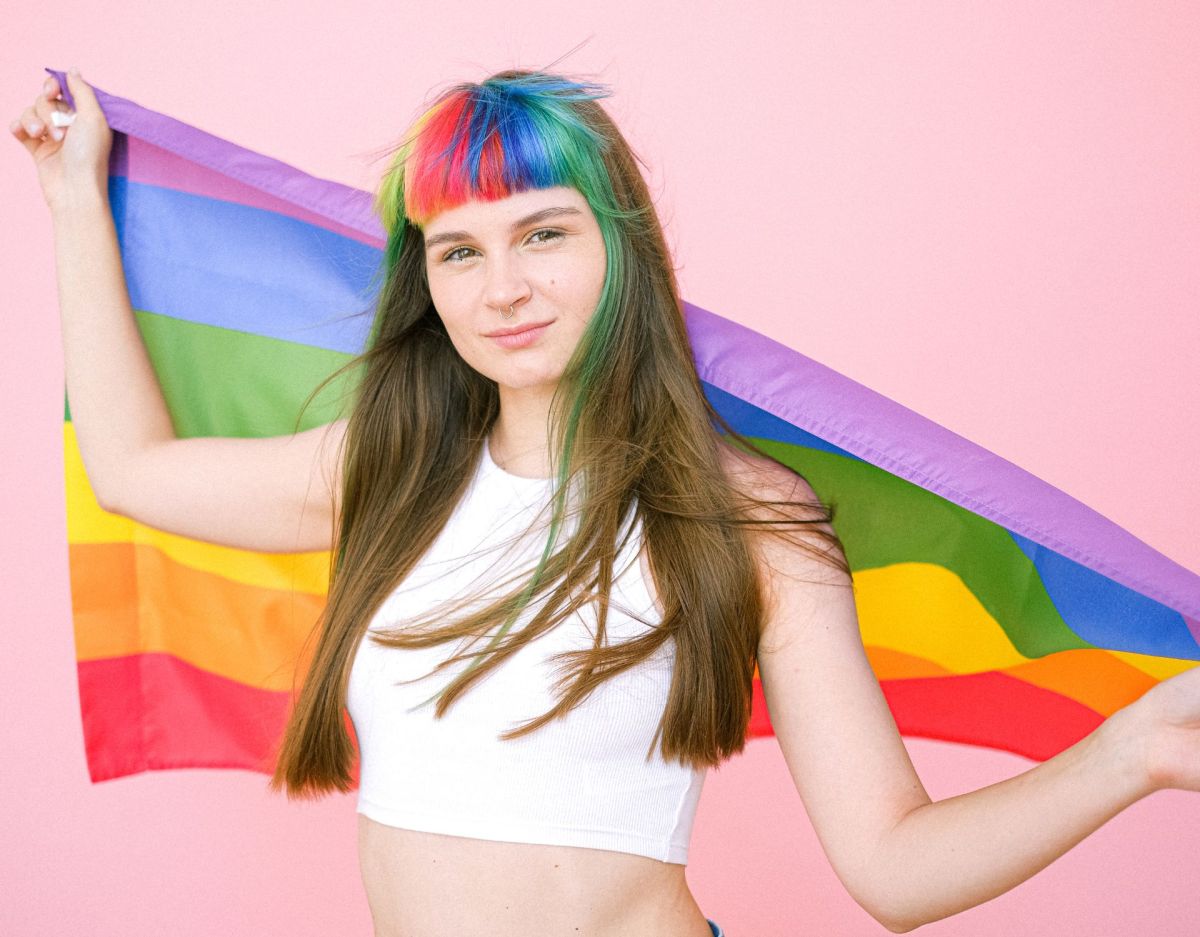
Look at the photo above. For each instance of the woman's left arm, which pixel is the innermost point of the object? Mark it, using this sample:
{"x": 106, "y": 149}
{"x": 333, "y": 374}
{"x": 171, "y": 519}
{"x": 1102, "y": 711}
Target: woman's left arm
{"x": 904, "y": 858}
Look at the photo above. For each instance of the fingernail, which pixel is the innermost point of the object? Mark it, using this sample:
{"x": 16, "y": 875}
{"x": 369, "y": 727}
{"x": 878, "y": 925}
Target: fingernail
{"x": 36, "y": 126}
{"x": 62, "y": 118}
{"x": 56, "y": 134}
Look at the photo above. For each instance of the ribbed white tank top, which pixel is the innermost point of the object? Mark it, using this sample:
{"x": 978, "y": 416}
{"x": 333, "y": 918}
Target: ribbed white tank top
{"x": 582, "y": 780}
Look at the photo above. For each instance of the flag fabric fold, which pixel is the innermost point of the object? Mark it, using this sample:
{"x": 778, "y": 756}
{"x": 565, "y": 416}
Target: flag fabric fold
{"x": 996, "y": 610}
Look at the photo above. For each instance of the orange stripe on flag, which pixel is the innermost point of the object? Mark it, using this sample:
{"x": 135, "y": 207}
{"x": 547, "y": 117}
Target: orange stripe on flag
{"x": 133, "y": 598}
{"x": 1093, "y": 677}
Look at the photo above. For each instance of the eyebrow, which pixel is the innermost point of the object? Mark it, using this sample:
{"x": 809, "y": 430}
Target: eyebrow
{"x": 542, "y": 215}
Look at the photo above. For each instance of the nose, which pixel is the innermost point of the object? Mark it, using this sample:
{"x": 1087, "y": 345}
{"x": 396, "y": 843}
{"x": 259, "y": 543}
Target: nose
{"x": 506, "y": 284}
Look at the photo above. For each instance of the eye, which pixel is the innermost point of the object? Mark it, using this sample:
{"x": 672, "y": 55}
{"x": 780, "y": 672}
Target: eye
{"x": 451, "y": 256}
{"x": 551, "y": 235}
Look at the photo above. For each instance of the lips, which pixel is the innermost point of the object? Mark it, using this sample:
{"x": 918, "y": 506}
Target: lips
{"x": 522, "y": 337}
{"x": 516, "y": 329}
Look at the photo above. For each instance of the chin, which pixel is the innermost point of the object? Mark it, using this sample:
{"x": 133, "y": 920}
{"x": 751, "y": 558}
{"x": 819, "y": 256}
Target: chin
{"x": 523, "y": 383}
{"x": 525, "y": 379}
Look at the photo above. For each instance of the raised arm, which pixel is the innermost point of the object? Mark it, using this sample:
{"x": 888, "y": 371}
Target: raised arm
{"x": 276, "y": 494}
{"x": 906, "y": 859}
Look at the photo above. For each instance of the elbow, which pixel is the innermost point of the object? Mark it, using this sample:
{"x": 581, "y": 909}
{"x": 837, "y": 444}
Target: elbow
{"x": 107, "y": 499}
{"x": 896, "y": 923}
{"x": 897, "y": 926}
{"x": 889, "y": 910}
{"x": 102, "y": 480}
{"x": 886, "y": 889}
{"x": 115, "y": 485}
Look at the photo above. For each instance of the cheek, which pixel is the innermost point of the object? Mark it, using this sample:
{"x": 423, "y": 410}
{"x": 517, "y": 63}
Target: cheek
{"x": 578, "y": 289}
{"x": 456, "y": 326}
{"x": 448, "y": 304}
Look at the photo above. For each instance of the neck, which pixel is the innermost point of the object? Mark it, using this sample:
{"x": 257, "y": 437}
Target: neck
{"x": 519, "y": 443}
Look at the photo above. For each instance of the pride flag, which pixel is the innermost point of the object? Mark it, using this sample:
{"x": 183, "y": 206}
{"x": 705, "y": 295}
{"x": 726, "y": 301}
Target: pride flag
{"x": 996, "y": 610}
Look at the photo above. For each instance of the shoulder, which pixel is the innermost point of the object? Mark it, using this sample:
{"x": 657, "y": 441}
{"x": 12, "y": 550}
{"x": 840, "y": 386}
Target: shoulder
{"x": 752, "y": 473}
{"x": 761, "y": 478}
{"x": 798, "y": 559}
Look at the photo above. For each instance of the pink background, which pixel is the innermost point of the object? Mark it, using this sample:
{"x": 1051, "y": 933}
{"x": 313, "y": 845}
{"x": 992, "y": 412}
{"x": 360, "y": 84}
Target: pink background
{"x": 985, "y": 211}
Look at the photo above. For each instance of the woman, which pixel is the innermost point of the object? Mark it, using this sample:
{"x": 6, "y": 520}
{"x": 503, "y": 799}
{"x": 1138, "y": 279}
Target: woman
{"x": 557, "y": 502}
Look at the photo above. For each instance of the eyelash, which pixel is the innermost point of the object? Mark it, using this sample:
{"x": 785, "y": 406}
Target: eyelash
{"x": 555, "y": 235}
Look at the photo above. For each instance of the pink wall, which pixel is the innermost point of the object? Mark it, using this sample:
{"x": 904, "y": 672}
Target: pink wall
{"x": 986, "y": 211}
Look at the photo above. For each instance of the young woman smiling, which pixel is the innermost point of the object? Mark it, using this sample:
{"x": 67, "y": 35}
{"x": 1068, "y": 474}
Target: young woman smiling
{"x": 553, "y": 577}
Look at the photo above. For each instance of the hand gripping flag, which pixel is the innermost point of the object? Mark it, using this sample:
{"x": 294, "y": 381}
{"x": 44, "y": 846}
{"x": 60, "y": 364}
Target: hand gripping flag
{"x": 995, "y": 609}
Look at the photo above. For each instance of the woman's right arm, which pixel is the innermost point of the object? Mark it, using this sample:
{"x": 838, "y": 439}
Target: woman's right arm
{"x": 274, "y": 494}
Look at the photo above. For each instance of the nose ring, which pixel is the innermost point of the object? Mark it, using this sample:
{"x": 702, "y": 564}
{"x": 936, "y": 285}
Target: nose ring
{"x": 509, "y": 314}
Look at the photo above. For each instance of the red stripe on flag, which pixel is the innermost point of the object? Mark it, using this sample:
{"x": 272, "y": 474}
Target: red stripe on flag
{"x": 991, "y": 709}
{"x": 146, "y": 712}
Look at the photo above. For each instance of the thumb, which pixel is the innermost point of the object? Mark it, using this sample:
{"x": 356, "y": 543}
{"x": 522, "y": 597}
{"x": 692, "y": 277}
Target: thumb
{"x": 81, "y": 91}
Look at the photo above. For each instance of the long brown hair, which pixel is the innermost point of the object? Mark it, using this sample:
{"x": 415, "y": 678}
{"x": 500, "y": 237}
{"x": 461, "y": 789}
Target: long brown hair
{"x": 631, "y": 430}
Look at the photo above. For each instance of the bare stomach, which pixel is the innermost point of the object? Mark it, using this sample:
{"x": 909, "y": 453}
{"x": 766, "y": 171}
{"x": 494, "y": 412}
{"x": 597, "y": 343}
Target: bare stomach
{"x": 431, "y": 885}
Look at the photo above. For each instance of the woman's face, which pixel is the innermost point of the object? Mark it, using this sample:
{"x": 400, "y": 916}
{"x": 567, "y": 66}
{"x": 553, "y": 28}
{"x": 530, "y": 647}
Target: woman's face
{"x": 539, "y": 251}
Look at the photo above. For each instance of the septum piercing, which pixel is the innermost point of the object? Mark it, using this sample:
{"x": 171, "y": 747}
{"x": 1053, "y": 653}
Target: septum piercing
{"x": 509, "y": 314}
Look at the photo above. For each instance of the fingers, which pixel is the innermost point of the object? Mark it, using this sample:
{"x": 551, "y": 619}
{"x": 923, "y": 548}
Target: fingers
{"x": 32, "y": 125}
{"x": 45, "y": 118}
{"x": 19, "y": 129}
{"x": 47, "y": 111}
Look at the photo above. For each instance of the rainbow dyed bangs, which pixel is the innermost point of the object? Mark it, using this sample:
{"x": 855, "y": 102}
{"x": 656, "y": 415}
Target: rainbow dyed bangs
{"x": 513, "y": 132}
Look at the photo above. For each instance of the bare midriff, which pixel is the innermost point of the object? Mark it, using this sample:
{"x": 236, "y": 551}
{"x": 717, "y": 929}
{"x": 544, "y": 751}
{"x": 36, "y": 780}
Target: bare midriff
{"x": 422, "y": 884}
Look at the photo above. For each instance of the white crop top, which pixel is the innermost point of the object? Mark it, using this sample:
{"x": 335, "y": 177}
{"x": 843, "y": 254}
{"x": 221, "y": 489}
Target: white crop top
{"x": 582, "y": 780}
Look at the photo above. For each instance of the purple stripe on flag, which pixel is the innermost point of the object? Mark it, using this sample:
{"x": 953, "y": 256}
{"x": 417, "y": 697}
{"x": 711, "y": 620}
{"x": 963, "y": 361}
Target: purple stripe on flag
{"x": 818, "y": 399}
{"x": 341, "y": 203}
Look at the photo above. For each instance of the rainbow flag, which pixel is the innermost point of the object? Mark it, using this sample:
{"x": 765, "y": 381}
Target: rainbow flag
{"x": 996, "y": 610}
